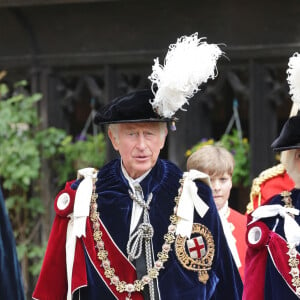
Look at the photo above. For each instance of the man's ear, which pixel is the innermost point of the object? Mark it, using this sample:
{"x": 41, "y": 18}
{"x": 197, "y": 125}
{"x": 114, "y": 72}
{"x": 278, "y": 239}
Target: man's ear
{"x": 163, "y": 139}
{"x": 113, "y": 139}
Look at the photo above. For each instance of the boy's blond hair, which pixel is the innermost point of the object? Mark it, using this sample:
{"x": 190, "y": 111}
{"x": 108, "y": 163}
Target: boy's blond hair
{"x": 213, "y": 160}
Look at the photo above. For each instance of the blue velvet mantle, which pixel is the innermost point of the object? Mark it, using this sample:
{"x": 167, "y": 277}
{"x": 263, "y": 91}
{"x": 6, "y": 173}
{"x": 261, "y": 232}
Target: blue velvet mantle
{"x": 175, "y": 282}
{"x": 11, "y": 285}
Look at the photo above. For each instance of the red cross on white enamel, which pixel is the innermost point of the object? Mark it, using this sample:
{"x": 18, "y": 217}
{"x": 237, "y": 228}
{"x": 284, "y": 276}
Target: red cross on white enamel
{"x": 196, "y": 247}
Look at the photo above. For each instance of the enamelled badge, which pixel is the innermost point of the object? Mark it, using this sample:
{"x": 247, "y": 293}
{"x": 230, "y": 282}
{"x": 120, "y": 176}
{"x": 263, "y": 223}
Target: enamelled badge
{"x": 194, "y": 244}
{"x": 196, "y": 253}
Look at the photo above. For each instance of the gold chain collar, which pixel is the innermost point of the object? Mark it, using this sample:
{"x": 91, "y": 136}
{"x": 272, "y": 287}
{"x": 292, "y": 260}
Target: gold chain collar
{"x": 163, "y": 256}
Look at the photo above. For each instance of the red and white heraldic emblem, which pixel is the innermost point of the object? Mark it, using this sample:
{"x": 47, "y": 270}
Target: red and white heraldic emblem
{"x": 196, "y": 247}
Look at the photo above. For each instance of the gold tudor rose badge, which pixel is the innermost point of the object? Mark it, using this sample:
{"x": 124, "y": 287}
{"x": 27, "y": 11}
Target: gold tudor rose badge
{"x": 197, "y": 253}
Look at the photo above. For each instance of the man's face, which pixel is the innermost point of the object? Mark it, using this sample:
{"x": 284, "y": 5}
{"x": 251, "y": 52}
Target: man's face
{"x": 221, "y": 186}
{"x": 139, "y": 145}
{"x": 291, "y": 161}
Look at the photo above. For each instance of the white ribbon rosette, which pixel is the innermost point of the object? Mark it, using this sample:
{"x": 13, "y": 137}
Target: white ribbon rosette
{"x": 77, "y": 224}
{"x": 291, "y": 227}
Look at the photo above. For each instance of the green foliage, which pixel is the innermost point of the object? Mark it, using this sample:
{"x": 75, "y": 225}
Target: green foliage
{"x": 86, "y": 152}
{"x": 21, "y": 153}
{"x": 36, "y": 253}
{"x": 240, "y": 150}
{"x": 24, "y": 147}
{"x": 20, "y": 161}
{"x": 19, "y": 156}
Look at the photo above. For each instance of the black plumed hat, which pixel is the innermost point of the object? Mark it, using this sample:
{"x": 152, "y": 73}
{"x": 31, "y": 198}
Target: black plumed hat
{"x": 187, "y": 65}
{"x": 131, "y": 108}
{"x": 289, "y": 137}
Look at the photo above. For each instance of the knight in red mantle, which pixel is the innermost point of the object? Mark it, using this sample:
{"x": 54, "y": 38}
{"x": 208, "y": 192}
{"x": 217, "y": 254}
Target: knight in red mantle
{"x": 273, "y": 234}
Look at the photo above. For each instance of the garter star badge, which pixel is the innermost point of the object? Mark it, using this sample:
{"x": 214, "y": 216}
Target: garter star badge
{"x": 197, "y": 253}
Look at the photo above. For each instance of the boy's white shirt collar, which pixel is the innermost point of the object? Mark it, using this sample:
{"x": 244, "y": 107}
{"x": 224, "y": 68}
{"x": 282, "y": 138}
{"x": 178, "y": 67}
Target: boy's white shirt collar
{"x": 224, "y": 210}
{"x": 223, "y": 213}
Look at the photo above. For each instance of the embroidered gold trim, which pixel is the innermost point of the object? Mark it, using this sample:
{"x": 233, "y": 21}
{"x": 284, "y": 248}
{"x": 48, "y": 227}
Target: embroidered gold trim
{"x": 287, "y": 199}
{"x": 203, "y": 265}
{"x": 257, "y": 182}
{"x": 292, "y": 252}
{"x": 294, "y": 265}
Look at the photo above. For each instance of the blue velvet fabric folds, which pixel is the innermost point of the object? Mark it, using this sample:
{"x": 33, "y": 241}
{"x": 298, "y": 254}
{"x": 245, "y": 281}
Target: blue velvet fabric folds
{"x": 175, "y": 282}
{"x": 11, "y": 285}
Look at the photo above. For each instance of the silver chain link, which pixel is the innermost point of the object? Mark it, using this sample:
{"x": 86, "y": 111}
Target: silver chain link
{"x": 143, "y": 233}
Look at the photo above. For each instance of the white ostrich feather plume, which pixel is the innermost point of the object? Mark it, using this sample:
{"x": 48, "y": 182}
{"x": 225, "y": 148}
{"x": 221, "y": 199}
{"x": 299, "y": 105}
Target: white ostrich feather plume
{"x": 188, "y": 63}
{"x": 293, "y": 78}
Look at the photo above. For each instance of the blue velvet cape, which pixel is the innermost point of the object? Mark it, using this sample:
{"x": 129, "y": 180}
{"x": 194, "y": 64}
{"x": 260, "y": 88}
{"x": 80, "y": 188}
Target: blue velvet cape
{"x": 175, "y": 282}
{"x": 275, "y": 286}
{"x": 11, "y": 285}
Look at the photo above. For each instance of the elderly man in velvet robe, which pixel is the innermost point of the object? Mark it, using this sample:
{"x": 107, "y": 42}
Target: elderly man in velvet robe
{"x": 139, "y": 228}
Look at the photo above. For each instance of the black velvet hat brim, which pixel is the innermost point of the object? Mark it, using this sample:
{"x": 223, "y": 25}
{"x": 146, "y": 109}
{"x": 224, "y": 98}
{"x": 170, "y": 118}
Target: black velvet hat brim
{"x": 132, "y": 108}
{"x": 134, "y": 121}
{"x": 289, "y": 137}
{"x": 279, "y": 149}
